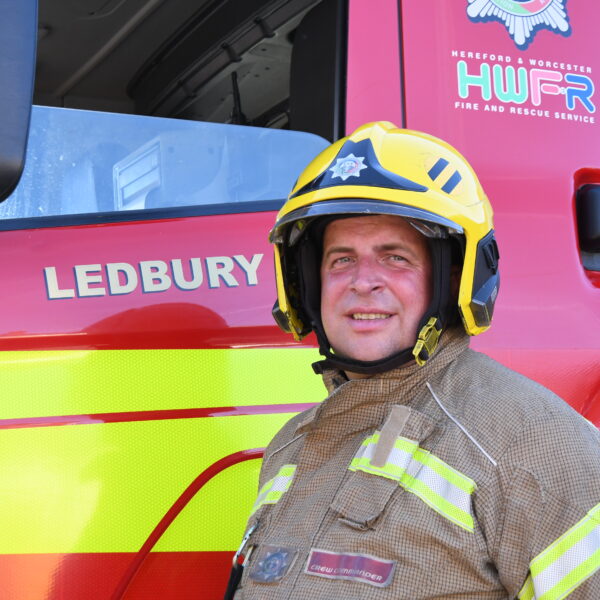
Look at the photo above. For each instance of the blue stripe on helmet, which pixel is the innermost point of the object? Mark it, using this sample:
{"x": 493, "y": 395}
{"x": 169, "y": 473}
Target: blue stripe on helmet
{"x": 439, "y": 166}
{"x": 452, "y": 182}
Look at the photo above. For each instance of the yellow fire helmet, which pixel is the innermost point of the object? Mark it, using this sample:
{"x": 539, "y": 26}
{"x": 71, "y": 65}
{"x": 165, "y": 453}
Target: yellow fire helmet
{"x": 382, "y": 170}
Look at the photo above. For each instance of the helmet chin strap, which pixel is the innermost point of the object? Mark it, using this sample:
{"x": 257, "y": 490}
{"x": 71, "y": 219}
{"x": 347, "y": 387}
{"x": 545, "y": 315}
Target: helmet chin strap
{"x": 335, "y": 361}
{"x": 435, "y": 319}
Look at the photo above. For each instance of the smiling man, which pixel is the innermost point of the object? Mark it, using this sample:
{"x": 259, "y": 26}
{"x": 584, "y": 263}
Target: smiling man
{"x": 375, "y": 285}
{"x": 430, "y": 471}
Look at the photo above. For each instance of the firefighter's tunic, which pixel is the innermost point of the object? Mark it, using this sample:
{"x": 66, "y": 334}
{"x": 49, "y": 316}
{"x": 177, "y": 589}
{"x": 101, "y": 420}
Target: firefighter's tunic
{"x": 460, "y": 479}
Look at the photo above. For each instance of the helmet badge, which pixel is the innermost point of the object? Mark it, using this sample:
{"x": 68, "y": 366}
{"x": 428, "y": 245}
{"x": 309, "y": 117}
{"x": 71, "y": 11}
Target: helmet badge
{"x": 349, "y": 166}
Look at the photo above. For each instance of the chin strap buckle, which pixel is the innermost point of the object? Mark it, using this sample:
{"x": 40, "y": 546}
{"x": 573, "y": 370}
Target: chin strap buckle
{"x": 427, "y": 341}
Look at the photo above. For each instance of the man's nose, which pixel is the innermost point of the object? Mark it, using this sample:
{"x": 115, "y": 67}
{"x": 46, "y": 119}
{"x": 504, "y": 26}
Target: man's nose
{"x": 366, "y": 277}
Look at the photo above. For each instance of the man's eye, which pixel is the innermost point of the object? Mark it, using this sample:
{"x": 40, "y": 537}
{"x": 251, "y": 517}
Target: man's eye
{"x": 397, "y": 258}
{"x": 341, "y": 261}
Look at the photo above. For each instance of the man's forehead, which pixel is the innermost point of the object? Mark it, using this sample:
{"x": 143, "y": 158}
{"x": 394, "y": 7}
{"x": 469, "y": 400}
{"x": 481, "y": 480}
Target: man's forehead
{"x": 352, "y": 229}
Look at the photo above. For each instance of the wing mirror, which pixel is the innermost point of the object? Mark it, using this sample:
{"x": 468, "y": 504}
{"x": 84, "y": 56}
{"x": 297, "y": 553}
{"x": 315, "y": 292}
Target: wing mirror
{"x": 18, "y": 32}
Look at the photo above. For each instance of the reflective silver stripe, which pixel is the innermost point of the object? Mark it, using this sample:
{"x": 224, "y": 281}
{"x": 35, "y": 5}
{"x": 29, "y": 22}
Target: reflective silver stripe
{"x": 271, "y": 492}
{"x": 444, "y": 488}
{"x": 440, "y": 486}
{"x": 567, "y": 562}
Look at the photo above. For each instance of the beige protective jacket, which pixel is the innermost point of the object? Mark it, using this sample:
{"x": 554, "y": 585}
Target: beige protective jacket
{"x": 458, "y": 480}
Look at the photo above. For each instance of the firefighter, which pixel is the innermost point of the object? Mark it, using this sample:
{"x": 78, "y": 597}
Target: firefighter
{"x": 430, "y": 470}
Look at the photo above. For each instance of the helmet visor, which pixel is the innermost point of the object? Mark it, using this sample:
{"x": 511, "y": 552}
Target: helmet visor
{"x": 428, "y": 223}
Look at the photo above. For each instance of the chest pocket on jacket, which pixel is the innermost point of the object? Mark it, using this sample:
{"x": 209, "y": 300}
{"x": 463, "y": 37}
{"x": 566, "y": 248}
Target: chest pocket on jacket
{"x": 362, "y": 499}
{"x": 398, "y": 461}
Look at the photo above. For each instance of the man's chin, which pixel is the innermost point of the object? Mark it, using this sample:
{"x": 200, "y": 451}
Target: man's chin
{"x": 367, "y": 356}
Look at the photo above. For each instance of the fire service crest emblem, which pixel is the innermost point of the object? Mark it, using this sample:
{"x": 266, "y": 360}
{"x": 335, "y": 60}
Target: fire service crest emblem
{"x": 522, "y": 18}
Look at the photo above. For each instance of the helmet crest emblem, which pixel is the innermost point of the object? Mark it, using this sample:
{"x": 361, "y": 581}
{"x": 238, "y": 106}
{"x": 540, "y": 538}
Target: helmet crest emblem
{"x": 349, "y": 166}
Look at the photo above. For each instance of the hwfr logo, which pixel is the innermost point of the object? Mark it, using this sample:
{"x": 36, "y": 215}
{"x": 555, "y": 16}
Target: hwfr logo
{"x": 522, "y": 18}
{"x": 522, "y": 85}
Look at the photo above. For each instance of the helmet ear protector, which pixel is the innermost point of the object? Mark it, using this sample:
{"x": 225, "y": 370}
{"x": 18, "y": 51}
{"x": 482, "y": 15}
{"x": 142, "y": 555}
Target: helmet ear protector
{"x": 486, "y": 281}
{"x": 381, "y": 170}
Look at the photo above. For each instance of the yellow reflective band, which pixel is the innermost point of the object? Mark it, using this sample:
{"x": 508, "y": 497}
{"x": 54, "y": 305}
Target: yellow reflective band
{"x": 272, "y": 491}
{"x": 441, "y": 487}
{"x": 104, "y": 486}
{"x": 567, "y": 562}
{"x": 67, "y": 382}
{"x": 527, "y": 592}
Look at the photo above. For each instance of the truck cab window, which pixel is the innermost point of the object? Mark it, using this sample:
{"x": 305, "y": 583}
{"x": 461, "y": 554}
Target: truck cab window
{"x": 146, "y": 104}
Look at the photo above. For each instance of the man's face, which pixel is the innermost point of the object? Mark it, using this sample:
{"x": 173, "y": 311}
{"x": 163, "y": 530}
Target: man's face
{"x": 375, "y": 285}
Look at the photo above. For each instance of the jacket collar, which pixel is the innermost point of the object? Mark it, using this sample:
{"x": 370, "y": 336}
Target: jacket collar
{"x": 363, "y": 403}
